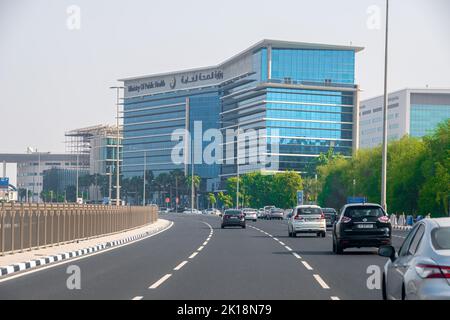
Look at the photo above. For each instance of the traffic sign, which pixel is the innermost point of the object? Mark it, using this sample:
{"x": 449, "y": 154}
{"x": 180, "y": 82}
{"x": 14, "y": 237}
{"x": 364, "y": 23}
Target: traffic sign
{"x": 4, "y": 182}
{"x": 300, "y": 197}
{"x": 356, "y": 200}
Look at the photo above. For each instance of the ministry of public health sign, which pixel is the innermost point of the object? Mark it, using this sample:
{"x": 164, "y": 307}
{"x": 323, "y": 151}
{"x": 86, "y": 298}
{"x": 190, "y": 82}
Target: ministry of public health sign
{"x": 173, "y": 82}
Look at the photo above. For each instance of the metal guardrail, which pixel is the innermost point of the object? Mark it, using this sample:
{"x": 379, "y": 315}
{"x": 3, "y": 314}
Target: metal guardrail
{"x": 33, "y": 226}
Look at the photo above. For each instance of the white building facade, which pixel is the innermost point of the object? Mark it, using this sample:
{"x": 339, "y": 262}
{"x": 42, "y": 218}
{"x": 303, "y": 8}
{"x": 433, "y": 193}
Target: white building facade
{"x": 414, "y": 112}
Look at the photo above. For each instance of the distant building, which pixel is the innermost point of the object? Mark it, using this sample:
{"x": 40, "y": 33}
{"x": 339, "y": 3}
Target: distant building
{"x": 31, "y": 167}
{"x": 415, "y": 112}
{"x": 99, "y": 143}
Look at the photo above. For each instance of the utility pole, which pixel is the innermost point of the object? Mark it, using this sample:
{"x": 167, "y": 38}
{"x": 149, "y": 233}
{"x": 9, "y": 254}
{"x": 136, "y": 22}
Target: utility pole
{"x": 237, "y": 167}
{"x": 118, "y": 146}
{"x": 385, "y": 110}
{"x": 110, "y": 184}
{"x": 145, "y": 168}
{"x": 77, "y": 185}
{"x": 192, "y": 174}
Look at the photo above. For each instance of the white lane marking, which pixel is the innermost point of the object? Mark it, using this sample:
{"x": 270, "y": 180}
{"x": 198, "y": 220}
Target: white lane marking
{"x": 321, "y": 282}
{"x": 282, "y": 243}
{"x": 296, "y": 255}
{"x": 288, "y": 249}
{"x": 335, "y": 298}
{"x": 200, "y": 248}
{"x": 205, "y": 243}
{"x": 276, "y": 239}
{"x": 193, "y": 255}
{"x": 138, "y": 298}
{"x": 307, "y": 266}
{"x": 160, "y": 281}
{"x": 181, "y": 265}
{"x": 82, "y": 257}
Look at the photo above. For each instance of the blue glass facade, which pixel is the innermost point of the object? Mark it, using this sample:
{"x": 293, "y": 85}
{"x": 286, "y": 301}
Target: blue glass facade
{"x": 425, "y": 118}
{"x": 301, "y": 95}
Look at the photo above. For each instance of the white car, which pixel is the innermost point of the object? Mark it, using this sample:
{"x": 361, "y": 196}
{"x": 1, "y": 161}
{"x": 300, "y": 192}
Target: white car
{"x": 194, "y": 211}
{"x": 307, "y": 219}
{"x": 250, "y": 214}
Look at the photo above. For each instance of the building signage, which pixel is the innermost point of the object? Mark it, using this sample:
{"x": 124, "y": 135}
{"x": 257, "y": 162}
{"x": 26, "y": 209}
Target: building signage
{"x": 173, "y": 82}
{"x": 147, "y": 86}
{"x": 4, "y": 183}
{"x": 217, "y": 75}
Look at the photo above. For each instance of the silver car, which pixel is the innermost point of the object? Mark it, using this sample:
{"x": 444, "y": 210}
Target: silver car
{"x": 421, "y": 268}
{"x": 250, "y": 214}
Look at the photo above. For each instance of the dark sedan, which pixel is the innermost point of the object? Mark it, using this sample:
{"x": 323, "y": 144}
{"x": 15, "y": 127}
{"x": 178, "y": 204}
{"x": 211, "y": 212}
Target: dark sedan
{"x": 233, "y": 217}
{"x": 330, "y": 216}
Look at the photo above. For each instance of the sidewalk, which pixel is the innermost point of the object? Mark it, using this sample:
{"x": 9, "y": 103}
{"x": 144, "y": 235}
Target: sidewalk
{"x": 12, "y": 263}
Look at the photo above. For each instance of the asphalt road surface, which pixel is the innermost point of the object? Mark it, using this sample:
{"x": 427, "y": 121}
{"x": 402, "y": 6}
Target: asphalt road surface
{"x": 196, "y": 259}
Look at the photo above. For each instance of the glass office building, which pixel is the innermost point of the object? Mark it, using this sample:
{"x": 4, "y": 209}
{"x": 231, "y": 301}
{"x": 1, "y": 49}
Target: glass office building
{"x": 299, "y": 98}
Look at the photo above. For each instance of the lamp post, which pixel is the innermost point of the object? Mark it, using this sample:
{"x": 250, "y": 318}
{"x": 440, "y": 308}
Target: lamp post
{"x": 237, "y": 160}
{"x": 118, "y": 145}
{"x": 385, "y": 110}
{"x": 145, "y": 169}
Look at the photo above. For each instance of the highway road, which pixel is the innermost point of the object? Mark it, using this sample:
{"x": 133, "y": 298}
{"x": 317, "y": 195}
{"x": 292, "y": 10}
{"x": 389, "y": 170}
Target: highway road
{"x": 196, "y": 259}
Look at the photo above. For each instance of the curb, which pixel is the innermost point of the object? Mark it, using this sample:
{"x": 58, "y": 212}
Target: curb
{"x": 17, "y": 267}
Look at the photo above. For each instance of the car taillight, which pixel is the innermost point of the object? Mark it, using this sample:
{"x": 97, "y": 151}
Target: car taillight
{"x": 384, "y": 219}
{"x": 241, "y": 216}
{"x": 346, "y": 219}
{"x": 298, "y": 218}
{"x": 432, "y": 271}
{"x": 322, "y": 216}
{"x": 226, "y": 216}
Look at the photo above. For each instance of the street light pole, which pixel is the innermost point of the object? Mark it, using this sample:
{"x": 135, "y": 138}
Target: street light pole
{"x": 118, "y": 147}
{"x": 237, "y": 161}
{"x": 145, "y": 168}
{"x": 77, "y": 166}
{"x": 385, "y": 110}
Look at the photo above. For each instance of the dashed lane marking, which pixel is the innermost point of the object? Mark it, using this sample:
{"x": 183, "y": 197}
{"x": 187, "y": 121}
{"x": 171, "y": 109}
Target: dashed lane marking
{"x": 160, "y": 281}
{"x": 307, "y": 266}
{"x": 321, "y": 282}
{"x": 192, "y": 256}
{"x": 181, "y": 265}
{"x": 296, "y": 255}
{"x": 335, "y": 298}
{"x": 200, "y": 248}
{"x": 138, "y": 298}
{"x": 288, "y": 249}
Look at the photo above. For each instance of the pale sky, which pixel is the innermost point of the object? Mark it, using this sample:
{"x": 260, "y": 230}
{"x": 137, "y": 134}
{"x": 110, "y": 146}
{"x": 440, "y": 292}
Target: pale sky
{"x": 53, "y": 79}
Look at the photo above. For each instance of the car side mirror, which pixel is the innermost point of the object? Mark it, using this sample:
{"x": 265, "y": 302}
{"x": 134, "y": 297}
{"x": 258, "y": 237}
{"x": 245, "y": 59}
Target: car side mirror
{"x": 387, "y": 251}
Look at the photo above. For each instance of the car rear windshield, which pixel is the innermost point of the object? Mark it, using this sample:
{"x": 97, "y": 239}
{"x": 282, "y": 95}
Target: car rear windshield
{"x": 327, "y": 210}
{"x": 441, "y": 238}
{"x": 364, "y": 211}
{"x": 303, "y": 211}
{"x": 233, "y": 212}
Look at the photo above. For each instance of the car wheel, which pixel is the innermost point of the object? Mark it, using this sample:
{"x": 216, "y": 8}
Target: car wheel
{"x": 338, "y": 247}
{"x": 254, "y": 220}
{"x": 294, "y": 235}
{"x": 243, "y": 227}
{"x": 223, "y": 227}
{"x": 324, "y": 234}
{"x": 383, "y": 287}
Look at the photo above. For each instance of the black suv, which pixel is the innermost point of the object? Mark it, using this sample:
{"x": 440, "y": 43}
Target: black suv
{"x": 361, "y": 225}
